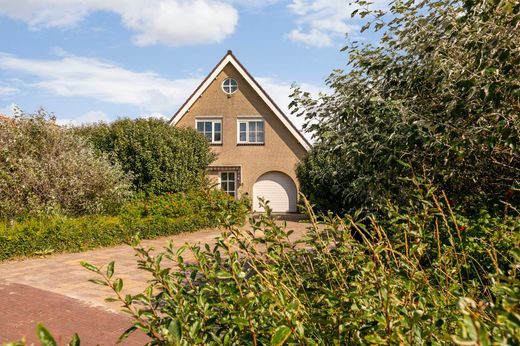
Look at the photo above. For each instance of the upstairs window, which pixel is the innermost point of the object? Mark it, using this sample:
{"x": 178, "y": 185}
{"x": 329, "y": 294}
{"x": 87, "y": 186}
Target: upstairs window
{"x": 211, "y": 129}
{"x": 230, "y": 86}
{"x": 251, "y": 131}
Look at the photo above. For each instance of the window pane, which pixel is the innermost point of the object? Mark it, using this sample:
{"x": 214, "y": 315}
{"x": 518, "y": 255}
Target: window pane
{"x": 260, "y": 125}
{"x": 223, "y": 176}
{"x": 200, "y": 126}
{"x": 207, "y": 126}
{"x": 243, "y": 127}
{"x": 252, "y": 126}
{"x": 252, "y": 137}
{"x": 231, "y": 186}
{"x": 243, "y": 137}
{"x": 260, "y": 137}
{"x": 217, "y": 126}
{"x": 233, "y": 83}
{"x": 216, "y": 137}
{"x": 231, "y": 176}
{"x": 208, "y": 136}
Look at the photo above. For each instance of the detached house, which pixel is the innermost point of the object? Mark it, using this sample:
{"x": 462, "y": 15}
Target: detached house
{"x": 257, "y": 145}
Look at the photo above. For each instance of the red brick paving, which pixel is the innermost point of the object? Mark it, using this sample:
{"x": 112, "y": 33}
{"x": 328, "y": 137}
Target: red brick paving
{"x": 22, "y": 307}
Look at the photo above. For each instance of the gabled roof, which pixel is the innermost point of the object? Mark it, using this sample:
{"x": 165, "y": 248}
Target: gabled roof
{"x": 229, "y": 58}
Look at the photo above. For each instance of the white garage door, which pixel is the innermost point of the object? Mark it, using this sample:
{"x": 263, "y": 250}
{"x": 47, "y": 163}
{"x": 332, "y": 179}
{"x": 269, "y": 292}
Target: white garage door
{"x": 278, "y": 189}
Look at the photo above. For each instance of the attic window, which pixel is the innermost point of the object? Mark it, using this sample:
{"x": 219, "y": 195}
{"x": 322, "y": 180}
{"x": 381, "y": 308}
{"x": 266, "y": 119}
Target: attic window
{"x": 230, "y": 86}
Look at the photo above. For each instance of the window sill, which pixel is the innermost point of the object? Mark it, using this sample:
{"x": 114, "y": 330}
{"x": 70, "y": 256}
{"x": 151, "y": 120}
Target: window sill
{"x": 215, "y": 144}
{"x": 250, "y": 144}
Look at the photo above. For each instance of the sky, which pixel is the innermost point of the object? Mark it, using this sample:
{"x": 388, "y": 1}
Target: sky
{"x": 99, "y": 60}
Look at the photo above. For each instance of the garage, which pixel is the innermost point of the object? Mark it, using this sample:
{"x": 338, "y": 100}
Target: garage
{"x": 277, "y": 188}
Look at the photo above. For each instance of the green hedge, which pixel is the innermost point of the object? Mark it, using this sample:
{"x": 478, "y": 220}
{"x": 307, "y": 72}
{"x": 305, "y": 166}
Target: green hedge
{"x": 150, "y": 218}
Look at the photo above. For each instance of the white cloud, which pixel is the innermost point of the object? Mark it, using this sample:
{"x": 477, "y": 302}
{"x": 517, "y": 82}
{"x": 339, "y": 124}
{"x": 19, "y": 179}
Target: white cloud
{"x": 172, "y": 22}
{"x": 8, "y": 91}
{"x": 323, "y": 22}
{"x": 314, "y": 38}
{"x": 87, "y": 118}
{"x": 103, "y": 81}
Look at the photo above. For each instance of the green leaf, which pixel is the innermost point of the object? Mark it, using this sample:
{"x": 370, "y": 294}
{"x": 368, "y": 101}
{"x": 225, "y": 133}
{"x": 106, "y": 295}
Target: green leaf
{"x": 110, "y": 269}
{"x": 118, "y": 285}
{"x": 126, "y": 333}
{"x": 98, "y": 282}
{"x": 175, "y": 329}
{"x": 45, "y": 337}
{"x": 75, "y": 341}
{"x": 281, "y": 334}
{"x": 223, "y": 275}
{"x": 89, "y": 266}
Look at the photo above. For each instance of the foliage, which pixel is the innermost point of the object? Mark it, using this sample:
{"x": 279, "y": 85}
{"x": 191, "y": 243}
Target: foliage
{"x": 46, "y": 169}
{"x": 400, "y": 285}
{"x": 149, "y": 218}
{"x": 160, "y": 157}
{"x": 46, "y": 338}
{"x": 438, "y": 96}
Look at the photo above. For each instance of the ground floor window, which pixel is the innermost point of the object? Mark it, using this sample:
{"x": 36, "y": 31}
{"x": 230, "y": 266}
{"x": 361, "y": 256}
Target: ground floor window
{"x": 228, "y": 182}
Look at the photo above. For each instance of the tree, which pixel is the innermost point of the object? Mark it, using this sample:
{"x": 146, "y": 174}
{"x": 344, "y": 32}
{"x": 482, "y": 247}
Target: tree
{"x": 439, "y": 96}
{"x": 45, "y": 168}
{"x": 160, "y": 157}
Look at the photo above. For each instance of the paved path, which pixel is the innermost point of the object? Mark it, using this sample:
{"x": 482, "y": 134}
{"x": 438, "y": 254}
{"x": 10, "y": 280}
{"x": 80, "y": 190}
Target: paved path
{"x": 62, "y": 274}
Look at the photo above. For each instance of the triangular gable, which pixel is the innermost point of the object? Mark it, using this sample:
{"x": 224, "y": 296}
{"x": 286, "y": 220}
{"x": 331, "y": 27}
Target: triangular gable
{"x": 229, "y": 58}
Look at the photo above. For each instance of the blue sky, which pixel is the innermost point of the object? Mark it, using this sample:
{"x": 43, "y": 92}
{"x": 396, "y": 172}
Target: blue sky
{"x": 103, "y": 59}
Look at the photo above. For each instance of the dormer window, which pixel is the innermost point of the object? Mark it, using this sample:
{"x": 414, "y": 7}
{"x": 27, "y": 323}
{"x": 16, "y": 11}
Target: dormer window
{"x": 230, "y": 86}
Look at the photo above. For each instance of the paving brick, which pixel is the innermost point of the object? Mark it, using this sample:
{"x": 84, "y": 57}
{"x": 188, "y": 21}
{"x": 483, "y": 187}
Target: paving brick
{"x": 55, "y": 290}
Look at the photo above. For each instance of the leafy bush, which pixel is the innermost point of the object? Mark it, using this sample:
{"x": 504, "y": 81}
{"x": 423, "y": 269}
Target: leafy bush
{"x": 438, "y": 96}
{"x": 406, "y": 283}
{"x": 45, "y": 168}
{"x": 160, "y": 157}
{"x": 150, "y": 218}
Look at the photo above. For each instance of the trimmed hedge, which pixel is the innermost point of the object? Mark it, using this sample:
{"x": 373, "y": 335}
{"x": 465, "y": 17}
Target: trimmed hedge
{"x": 150, "y": 218}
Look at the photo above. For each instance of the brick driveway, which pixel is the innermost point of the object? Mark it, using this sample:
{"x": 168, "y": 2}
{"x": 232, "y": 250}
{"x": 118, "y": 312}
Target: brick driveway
{"x": 61, "y": 276}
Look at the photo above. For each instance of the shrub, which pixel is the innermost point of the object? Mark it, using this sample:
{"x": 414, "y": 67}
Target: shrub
{"x": 160, "y": 157}
{"x": 150, "y": 218}
{"x": 45, "y": 168}
{"x": 438, "y": 96}
{"x": 401, "y": 284}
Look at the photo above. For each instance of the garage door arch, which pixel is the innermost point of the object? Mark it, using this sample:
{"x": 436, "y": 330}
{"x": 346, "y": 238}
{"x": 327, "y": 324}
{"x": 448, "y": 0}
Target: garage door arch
{"x": 279, "y": 189}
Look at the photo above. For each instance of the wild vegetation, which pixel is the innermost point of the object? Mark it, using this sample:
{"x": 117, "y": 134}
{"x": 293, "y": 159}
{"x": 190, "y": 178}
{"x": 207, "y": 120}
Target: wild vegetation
{"x": 438, "y": 97}
{"x": 159, "y": 157}
{"x": 425, "y": 276}
{"x": 45, "y": 169}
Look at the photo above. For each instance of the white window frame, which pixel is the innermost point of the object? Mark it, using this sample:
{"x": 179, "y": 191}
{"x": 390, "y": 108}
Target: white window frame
{"x": 227, "y": 181}
{"x": 213, "y": 121}
{"x": 247, "y": 121}
{"x": 224, "y": 87}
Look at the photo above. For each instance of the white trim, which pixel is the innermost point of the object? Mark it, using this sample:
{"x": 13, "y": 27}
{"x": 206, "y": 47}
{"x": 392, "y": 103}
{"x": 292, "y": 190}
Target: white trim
{"x": 247, "y": 121}
{"x": 230, "y": 59}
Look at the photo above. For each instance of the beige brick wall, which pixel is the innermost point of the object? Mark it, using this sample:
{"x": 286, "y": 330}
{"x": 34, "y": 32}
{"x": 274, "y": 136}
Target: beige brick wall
{"x": 281, "y": 151}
